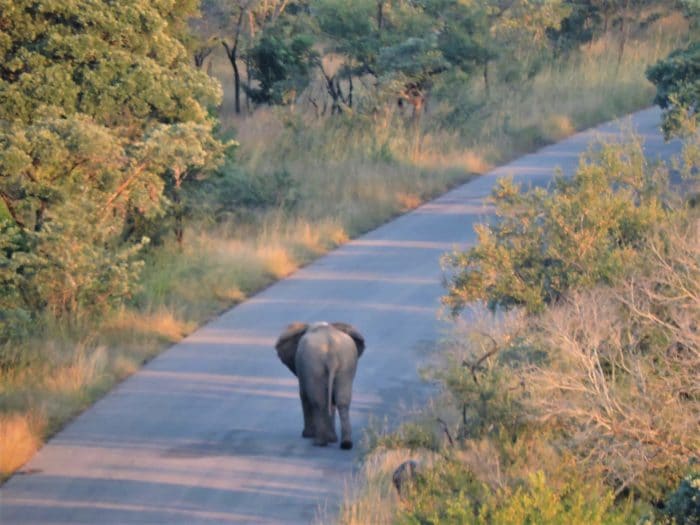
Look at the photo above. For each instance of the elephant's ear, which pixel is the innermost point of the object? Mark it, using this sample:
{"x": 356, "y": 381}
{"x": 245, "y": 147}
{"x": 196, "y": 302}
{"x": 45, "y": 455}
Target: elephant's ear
{"x": 352, "y": 332}
{"x": 288, "y": 342}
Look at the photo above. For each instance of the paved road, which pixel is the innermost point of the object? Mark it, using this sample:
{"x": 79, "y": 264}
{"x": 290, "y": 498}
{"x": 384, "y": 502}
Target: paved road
{"x": 209, "y": 431}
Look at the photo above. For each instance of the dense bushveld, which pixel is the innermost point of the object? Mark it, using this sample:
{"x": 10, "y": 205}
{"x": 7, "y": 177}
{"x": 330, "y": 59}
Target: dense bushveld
{"x": 571, "y": 391}
{"x": 137, "y": 202}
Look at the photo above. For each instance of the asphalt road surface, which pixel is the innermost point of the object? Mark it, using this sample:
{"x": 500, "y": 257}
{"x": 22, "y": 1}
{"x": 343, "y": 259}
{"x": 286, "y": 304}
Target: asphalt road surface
{"x": 209, "y": 431}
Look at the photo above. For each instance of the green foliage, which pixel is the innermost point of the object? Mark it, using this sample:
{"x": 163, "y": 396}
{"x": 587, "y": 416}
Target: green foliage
{"x": 677, "y": 80}
{"x": 418, "y": 59}
{"x": 582, "y": 24}
{"x": 487, "y": 399}
{"x": 466, "y": 40}
{"x": 447, "y": 493}
{"x": 553, "y": 418}
{"x": 683, "y": 505}
{"x": 537, "y": 501}
{"x": 233, "y": 192}
{"x": 101, "y": 116}
{"x": 406, "y": 46}
{"x": 584, "y": 231}
{"x": 281, "y": 64}
{"x": 352, "y": 27}
{"x": 414, "y": 435}
{"x": 452, "y": 493}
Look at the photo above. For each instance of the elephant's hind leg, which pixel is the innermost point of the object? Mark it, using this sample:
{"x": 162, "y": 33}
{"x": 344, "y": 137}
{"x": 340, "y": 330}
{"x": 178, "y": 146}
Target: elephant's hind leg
{"x": 345, "y": 430}
{"x": 316, "y": 395}
{"x": 320, "y": 419}
{"x": 308, "y": 431}
{"x": 332, "y": 436}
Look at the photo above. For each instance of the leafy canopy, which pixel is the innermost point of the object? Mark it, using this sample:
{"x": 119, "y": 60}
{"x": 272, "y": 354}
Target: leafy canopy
{"x": 99, "y": 111}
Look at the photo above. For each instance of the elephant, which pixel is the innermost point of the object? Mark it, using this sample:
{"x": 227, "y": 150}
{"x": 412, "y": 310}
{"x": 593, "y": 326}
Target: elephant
{"x": 324, "y": 357}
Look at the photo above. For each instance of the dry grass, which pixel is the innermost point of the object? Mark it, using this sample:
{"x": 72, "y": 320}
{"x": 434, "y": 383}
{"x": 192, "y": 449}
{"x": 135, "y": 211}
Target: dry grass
{"x": 19, "y": 439}
{"x": 371, "y": 496}
{"x": 623, "y": 368}
{"x": 162, "y": 325}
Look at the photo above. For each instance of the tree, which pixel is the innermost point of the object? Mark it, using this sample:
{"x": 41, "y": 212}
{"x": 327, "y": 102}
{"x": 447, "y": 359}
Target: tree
{"x": 588, "y": 20}
{"x": 416, "y": 61}
{"x": 281, "y": 63}
{"x": 466, "y": 39}
{"x": 677, "y": 80}
{"x": 237, "y": 12}
{"x": 87, "y": 99}
{"x": 350, "y": 31}
{"x": 235, "y": 24}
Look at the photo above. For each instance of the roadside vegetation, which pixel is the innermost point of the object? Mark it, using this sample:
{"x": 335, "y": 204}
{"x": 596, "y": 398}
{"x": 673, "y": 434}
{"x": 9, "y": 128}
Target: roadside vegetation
{"x": 139, "y": 199}
{"x": 569, "y": 390}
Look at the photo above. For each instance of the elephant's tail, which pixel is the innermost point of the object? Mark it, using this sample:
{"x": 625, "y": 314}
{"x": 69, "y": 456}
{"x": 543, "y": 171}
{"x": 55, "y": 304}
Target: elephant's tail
{"x": 331, "y": 381}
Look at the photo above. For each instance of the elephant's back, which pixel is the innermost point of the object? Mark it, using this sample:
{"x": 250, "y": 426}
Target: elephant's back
{"x": 324, "y": 342}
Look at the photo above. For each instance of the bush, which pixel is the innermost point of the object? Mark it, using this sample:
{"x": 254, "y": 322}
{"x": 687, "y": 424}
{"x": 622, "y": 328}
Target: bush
{"x": 677, "y": 80}
{"x": 451, "y": 493}
{"x": 484, "y": 398}
{"x": 683, "y": 505}
{"x": 587, "y": 230}
{"x": 233, "y": 192}
{"x": 448, "y": 493}
{"x": 537, "y": 501}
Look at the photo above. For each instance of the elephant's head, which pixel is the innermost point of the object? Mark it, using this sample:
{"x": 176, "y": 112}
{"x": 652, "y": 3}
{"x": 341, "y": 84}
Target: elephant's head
{"x": 288, "y": 342}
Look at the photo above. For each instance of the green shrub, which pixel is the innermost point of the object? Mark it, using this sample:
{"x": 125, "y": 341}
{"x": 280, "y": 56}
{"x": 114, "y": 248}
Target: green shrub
{"x": 486, "y": 400}
{"x": 677, "y": 80}
{"x": 585, "y": 231}
{"x": 447, "y": 493}
{"x": 232, "y": 192}
{"x": 451, "y": 493}
{"x": 683, "y": 505}
{"x": 538, "y": 502}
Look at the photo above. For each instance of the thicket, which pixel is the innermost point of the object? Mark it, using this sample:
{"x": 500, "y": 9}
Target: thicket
{"x": 579, "y": 401}
{"x": 102, "y": 118}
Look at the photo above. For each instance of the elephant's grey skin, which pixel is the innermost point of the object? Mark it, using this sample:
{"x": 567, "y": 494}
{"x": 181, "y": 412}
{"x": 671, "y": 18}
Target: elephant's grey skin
{"x": 324, "y": 358}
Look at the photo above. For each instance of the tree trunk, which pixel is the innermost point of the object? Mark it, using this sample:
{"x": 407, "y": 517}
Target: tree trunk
{"x": 11, "y": 210}
{"x": 247, "y": 81}
{"x": 623, "y": 33}
{"x": 486, "y": 79}
{"x": 201, "y": 55}
{"x": 39, "y": 216}
{"x": 179, "y": 223}
{"x": 232, "y": 54}
{"x": 237, "y": 85}
{"x": 333, "y": 89}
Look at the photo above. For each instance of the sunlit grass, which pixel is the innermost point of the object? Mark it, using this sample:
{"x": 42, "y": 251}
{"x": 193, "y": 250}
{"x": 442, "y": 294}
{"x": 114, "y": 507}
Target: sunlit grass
{"x": 20, "y": 436}
{"x": 162, "y": 325}
{"x": 371, "y": 497}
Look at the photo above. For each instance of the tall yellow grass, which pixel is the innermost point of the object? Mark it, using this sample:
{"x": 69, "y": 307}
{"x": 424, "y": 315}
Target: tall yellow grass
{"x": 19, "y": 439}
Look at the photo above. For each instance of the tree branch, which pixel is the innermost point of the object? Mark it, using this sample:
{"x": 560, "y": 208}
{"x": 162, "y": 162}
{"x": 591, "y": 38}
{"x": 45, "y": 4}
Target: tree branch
{"x": 11, "y": 210}
{"x": 122, "y": 187}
